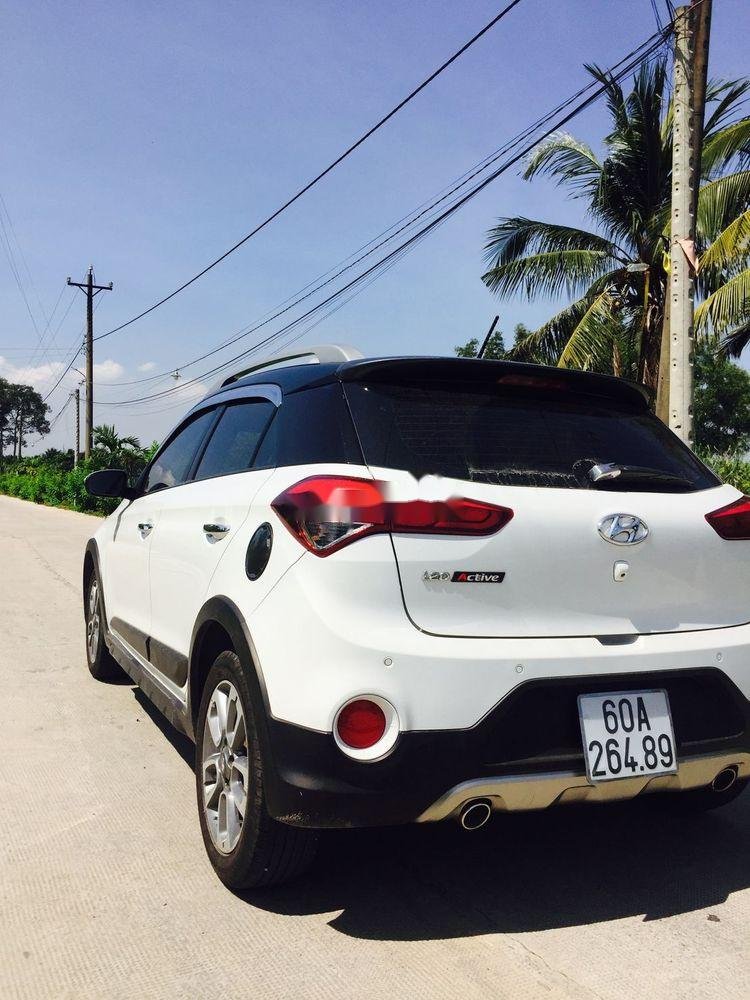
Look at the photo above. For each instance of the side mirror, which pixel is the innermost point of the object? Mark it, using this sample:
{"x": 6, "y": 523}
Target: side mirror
{"x": 109, "y": 483}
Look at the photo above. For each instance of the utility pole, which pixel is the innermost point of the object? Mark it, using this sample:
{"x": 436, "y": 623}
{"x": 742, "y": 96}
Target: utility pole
{"x": 77, "y": 452}
{"x": 692, "y": 27}
{"x": 91, "y": 290}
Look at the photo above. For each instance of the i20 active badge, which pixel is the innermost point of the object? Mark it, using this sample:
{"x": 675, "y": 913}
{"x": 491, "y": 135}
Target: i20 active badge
{"x": 464, "y": 576}
{"x": 623, "y": 529}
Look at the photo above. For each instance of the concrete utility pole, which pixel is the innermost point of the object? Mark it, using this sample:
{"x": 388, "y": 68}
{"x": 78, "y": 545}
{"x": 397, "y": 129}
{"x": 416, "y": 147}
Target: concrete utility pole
{"x": 77, "y": 451}
{"x": 692, "y": 25}
{"x": 91, "y": 290}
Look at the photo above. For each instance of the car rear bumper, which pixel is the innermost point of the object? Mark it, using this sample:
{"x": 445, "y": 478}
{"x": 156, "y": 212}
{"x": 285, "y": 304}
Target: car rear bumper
{"x": 526, "y": 792}
{"x": 526, "y": 754}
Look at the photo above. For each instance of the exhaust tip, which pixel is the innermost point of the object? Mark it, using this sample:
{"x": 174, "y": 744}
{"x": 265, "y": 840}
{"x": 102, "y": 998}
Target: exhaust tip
{"x": 475, "y": 814}
{"x": 724, "y": 779}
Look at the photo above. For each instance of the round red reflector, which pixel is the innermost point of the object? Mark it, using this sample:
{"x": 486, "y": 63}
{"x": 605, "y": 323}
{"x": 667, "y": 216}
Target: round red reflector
{"x": 361, "y": 724}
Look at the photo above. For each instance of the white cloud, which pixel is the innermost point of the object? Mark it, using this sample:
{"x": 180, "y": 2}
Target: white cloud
{"x": 108, "y": 371}
{"x": 38, "y": 376}
{"x": 43, "y": 376}
{"x": 147, "y": 366}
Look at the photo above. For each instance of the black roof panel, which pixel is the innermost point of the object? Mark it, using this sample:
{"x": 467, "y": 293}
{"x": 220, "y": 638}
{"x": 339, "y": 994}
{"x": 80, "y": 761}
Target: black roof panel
{"x": 295, "y": 377}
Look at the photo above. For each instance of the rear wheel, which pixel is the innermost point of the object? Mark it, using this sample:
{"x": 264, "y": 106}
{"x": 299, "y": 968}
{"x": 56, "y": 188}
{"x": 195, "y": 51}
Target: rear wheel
{"x": 245, "y": 845}
{"x": 102, "y": 665}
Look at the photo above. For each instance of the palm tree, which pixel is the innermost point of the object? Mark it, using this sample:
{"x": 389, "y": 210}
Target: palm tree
{"x": 106, "y": 437}
{"x": 616, "y": 272}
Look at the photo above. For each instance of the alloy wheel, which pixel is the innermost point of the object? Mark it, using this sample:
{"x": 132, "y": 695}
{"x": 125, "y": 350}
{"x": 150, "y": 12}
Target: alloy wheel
{"x": 224, "y": 763}
{"x": 93, "y": 623}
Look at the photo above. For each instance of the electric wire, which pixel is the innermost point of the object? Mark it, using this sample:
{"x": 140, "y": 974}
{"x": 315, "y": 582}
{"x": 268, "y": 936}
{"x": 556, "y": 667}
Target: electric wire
{"x": 8, "y": 249}
{"x": 40, "y": 347}
{"x": 398, "y": 251}
{"x": 76, "y": 346}
{"x": 323, "y": 173}
{"x": 318, "y": 282}
{"x": 52, "y": 422}
{"x": 644, "y": 51}
{"x": 657, "y": 16}
{"x": 390, "y": 233}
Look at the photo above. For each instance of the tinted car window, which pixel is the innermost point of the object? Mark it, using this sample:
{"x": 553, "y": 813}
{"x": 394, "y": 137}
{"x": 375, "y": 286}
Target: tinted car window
{"x": 172, "y": 464}
{"x": 512, "y": 436}
{"x": 311, "y": 426}
{"x": 235, "y": 439}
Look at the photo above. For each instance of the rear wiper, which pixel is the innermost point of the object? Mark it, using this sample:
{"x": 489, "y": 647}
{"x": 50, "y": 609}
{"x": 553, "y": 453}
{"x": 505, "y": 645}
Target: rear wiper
{"x": 605, "y": 473}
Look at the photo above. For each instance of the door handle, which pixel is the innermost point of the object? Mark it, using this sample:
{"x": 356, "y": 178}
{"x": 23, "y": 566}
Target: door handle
{"x": 215, "y": 531}
{"x": 145, "y": 527}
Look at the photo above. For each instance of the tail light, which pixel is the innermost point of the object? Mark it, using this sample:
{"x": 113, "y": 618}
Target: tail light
{"x": 733, "y": 521}
{"x": 327, "y": 512}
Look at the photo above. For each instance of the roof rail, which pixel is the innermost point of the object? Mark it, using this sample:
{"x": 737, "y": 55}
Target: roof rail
{"x": 319, "y": 355}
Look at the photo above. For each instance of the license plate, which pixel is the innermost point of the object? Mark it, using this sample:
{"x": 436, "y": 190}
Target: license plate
{"x": 627, "y": 734}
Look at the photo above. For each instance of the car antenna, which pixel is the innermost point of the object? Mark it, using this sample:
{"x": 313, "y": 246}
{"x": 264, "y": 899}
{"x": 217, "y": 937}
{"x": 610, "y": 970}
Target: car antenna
{"x": 491, "y": 330}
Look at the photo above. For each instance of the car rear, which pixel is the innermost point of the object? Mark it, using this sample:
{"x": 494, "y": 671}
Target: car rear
{"x": 522, "y": 589}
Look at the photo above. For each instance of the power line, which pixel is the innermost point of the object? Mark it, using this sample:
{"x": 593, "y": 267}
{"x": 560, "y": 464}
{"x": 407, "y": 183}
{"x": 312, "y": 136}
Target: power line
{"x": 641, "y": 53}
{"x": 657, "y": 18}
{"x": 7, "y": 247}
{"x": 315, "y": 284}
{"x": 387, "y": 235}
{"x": 40, "y": 347}
{"x": 181, "y": 403}
{"x": 53, "y": 422}
{"x": 323, "y": 173}
{"x": 78, "y": 347}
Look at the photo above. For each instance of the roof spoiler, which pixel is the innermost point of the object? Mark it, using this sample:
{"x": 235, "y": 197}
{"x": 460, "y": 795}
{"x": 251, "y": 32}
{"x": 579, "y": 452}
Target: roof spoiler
{"x": 319, "y": 355}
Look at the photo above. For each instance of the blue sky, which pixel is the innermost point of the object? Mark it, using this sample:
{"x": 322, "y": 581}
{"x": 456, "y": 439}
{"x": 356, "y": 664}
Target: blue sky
{"x": 147, "y": 138}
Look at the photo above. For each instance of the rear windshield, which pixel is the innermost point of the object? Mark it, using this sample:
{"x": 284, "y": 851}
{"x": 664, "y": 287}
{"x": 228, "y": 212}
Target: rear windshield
{"x": 513, "y": 436}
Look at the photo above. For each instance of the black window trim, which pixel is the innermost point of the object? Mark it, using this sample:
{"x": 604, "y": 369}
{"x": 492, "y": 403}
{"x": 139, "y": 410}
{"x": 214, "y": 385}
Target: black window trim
{"x": 188, "y": 419}
{"x": 237, "y": 401}
{"x": 218, "y": 403}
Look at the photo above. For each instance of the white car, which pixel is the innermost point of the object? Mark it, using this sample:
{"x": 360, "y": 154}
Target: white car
{"x": 382, "y": 591}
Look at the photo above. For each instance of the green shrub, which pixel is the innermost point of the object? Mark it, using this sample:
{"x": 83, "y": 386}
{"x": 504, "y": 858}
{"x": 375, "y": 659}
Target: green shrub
{"x": 41, "y": 484}
{"x": 730, "y": 469}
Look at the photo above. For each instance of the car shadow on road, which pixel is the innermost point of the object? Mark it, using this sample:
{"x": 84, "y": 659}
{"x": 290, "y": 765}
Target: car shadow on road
{"x": 568, "y": 866}
{"x": 182, "y": 744}
{"x": 565, "y": 867}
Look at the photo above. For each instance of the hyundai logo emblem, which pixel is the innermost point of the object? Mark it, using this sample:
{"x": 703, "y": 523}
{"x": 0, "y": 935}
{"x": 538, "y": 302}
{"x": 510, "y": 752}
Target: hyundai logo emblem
{"x": 623, "y": 529}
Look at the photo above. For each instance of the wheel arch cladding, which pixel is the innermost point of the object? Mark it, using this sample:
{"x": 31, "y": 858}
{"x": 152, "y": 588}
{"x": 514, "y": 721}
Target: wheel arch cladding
{"x": 90, "y": 566}
{"x": 220, "y": 626}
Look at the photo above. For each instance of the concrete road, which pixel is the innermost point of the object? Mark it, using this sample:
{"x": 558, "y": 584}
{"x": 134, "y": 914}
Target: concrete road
{"x": 105, "y": 890}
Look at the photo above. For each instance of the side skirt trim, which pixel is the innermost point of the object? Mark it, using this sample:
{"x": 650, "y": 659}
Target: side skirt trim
{"x": 169, "y": 662}
{"x": 169, "y": 703}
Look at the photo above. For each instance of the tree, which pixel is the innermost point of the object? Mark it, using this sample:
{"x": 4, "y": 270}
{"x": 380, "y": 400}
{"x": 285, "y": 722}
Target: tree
{"x": 722, "y": 404}
{"x": 494, "y": 351}
{"x": 22, "y": 411}
{"x": 615, "y": 272}
{"x": 495, "y": 348}
{"x": 121, "y": 452}
{"x": 5, "y": 405}
{"x": 107, "y": 438}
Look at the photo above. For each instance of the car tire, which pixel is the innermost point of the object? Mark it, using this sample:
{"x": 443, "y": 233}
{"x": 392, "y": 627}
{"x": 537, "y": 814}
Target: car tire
{"x": 102, "y": 665}
{"x": 246, "y": 846}
{"x": 699, "y": 800}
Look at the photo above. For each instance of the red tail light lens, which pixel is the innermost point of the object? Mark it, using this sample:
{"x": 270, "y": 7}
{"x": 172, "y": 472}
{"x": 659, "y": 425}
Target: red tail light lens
{"x": 327, "y": 512}
{"x": 733, "y": 521}
{"x": 361, "y": 724}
